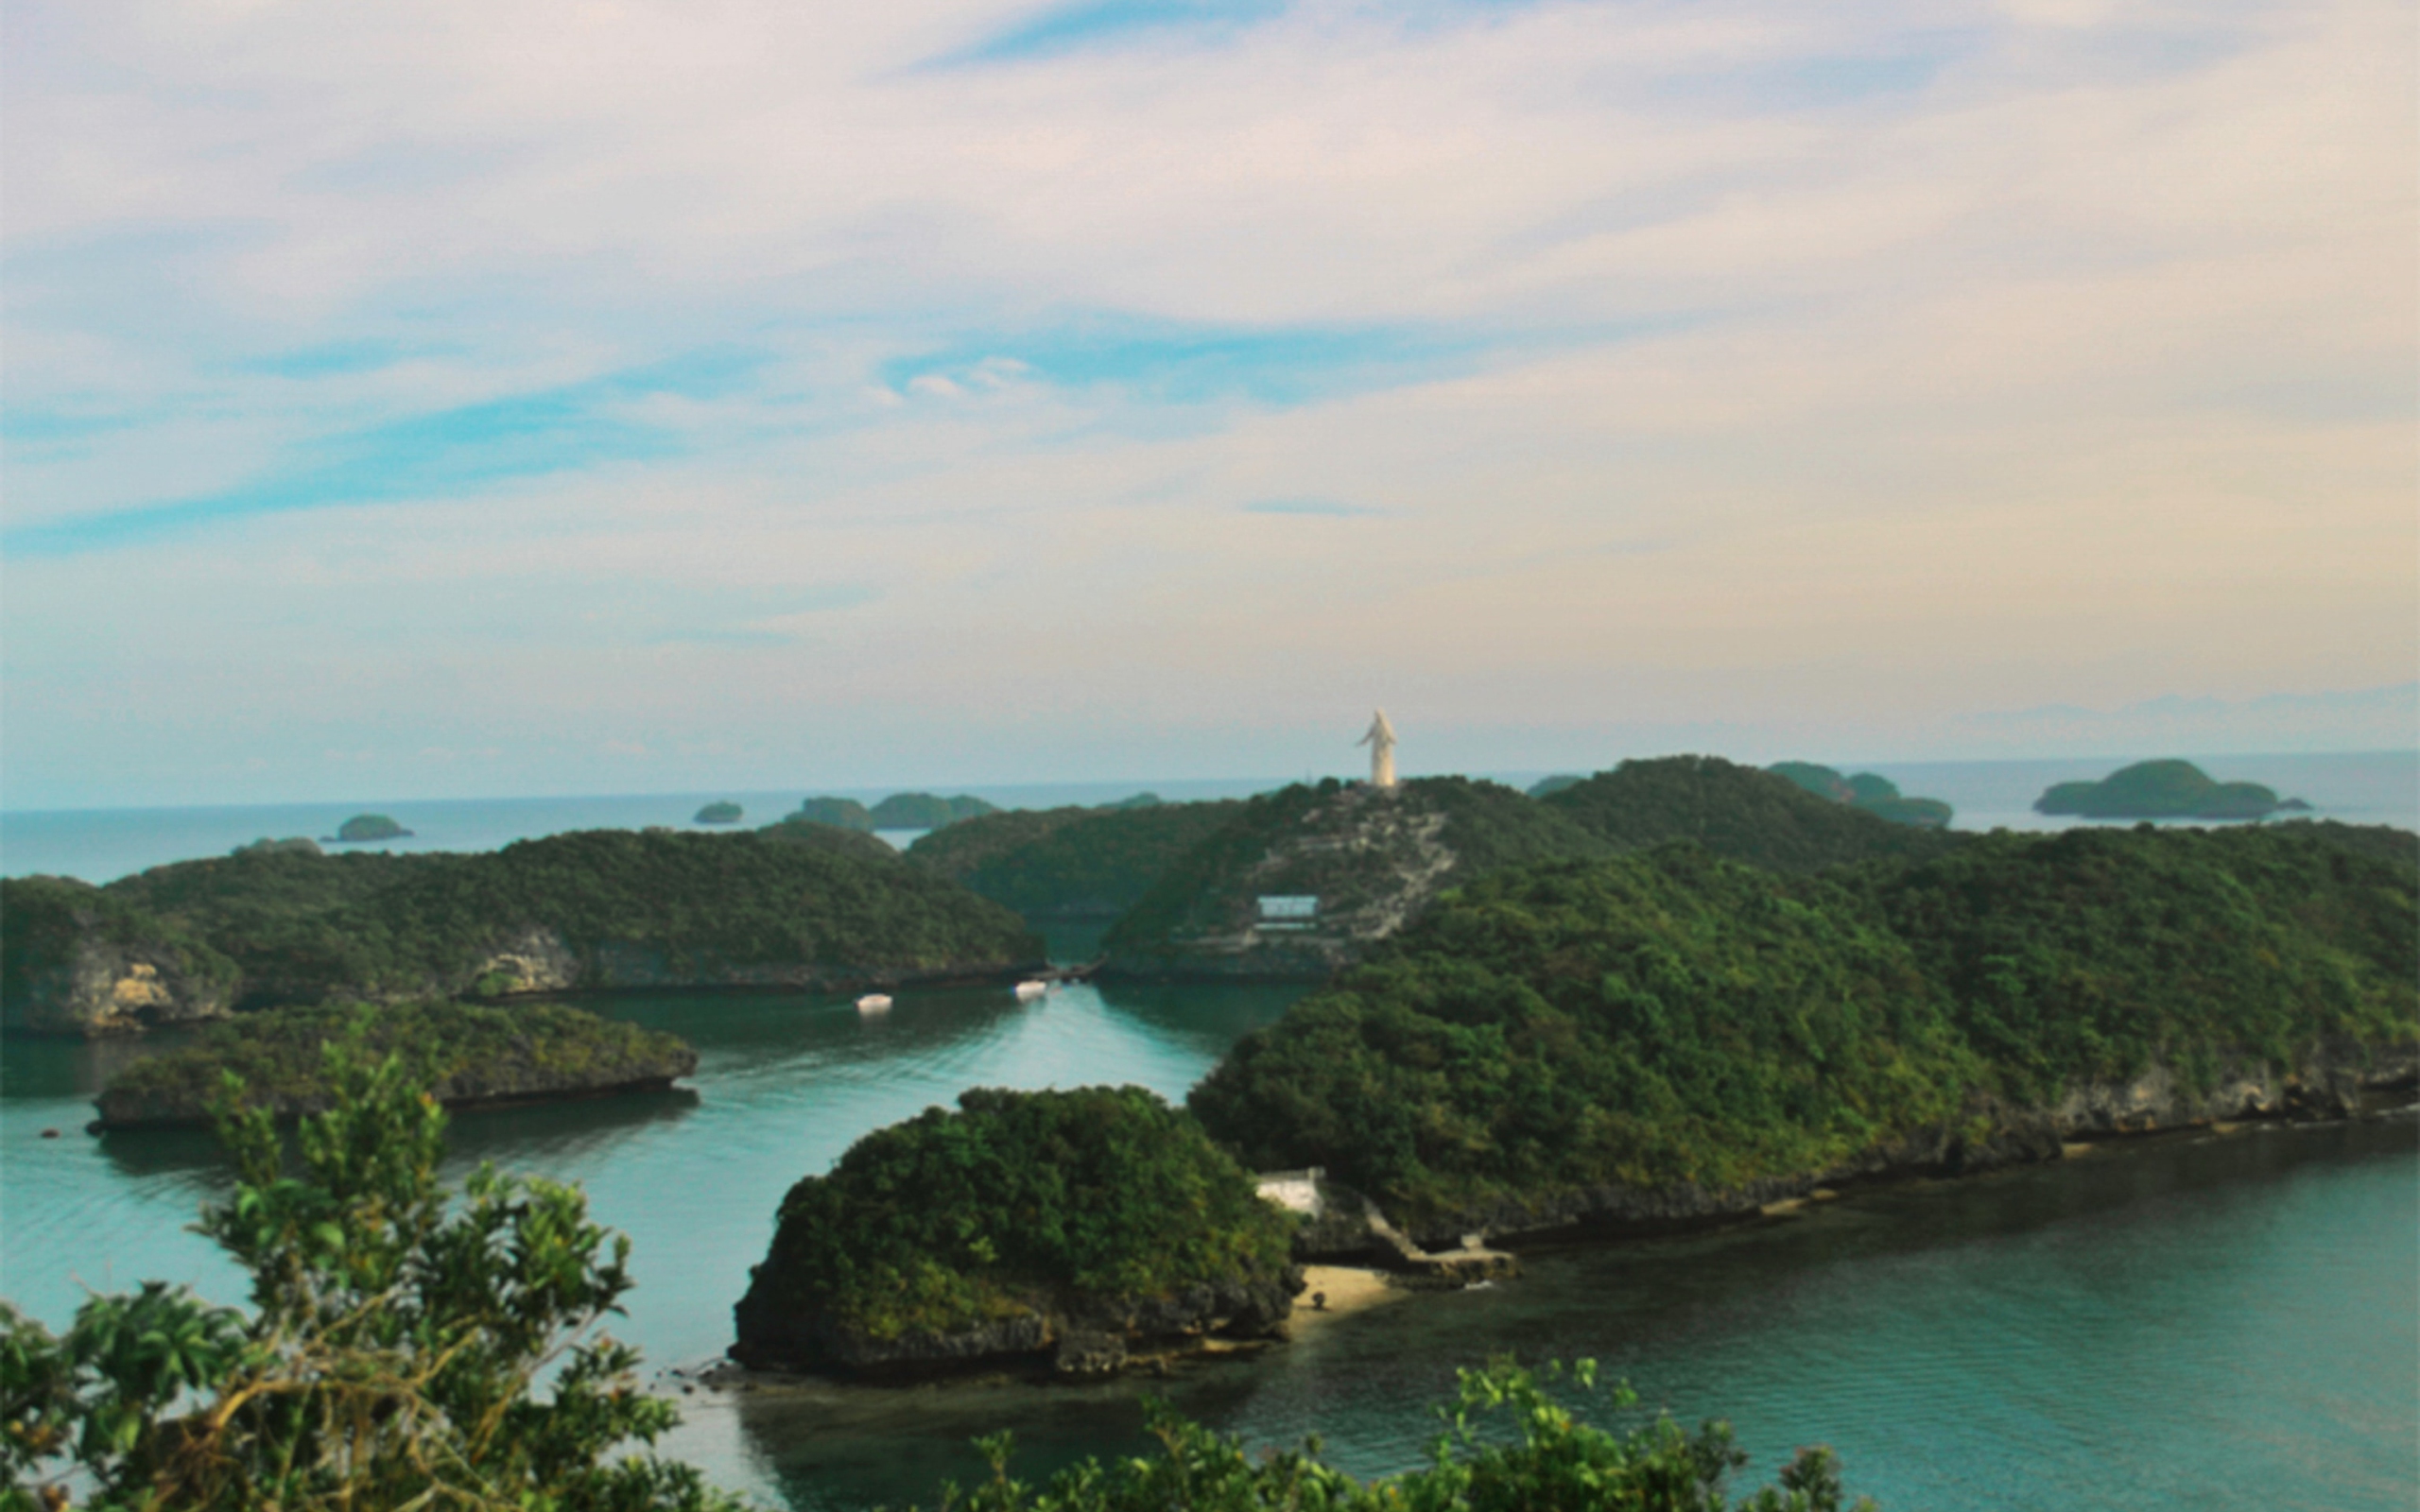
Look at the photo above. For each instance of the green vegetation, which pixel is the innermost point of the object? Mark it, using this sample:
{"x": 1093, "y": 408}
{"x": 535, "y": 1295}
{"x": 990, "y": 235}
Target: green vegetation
{"x": 1138, "y": 801}
{"x": 629, "y": 909}
{"x": 2083, "y": 955}
{"x": 1648, "y": 1021}
{"x": 371, "y": 827}
{"x": 924, "y": 811}
{"x": 2162, "y": 790}
{"x": 1547, "y": 786}
{"x": 842, "y": 813}
{"x": 298, "y": 845}
{"x": 723, "y": 813}
{"x": 1356, "y": 850}
{"x": 1011, "y": 1207}
{"x": 1733, "y": 810}
{"x": 1541, "y": 1459}
{"x": 50, "y": 926}
{"x": 1878, "y": 796}
{"x": 410, "y": 1347}
{"x": 394, "y": 1356}
{"x": 461, "y": 1052}
{"x": 1070, "y": 863}
{"x": 1672, "y": 1021}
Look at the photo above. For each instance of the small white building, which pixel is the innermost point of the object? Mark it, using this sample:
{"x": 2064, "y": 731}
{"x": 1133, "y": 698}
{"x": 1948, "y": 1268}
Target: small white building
{"x": 1279, "y": 911}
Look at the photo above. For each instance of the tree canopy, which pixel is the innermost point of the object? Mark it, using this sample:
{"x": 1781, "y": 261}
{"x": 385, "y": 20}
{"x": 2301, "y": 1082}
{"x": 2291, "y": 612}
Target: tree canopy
{"x": 406, "y": 1347}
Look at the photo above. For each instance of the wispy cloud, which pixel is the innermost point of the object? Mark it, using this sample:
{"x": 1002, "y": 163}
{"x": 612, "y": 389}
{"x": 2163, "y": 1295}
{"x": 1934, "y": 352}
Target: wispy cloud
{"x": 1728, "y": 364}
{"x": 1329, "y": 508}
{"x": 1098, "y": 23}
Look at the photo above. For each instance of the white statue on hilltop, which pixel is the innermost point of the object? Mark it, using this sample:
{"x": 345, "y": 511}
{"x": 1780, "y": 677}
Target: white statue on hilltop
{"x": 1381, "y": 741}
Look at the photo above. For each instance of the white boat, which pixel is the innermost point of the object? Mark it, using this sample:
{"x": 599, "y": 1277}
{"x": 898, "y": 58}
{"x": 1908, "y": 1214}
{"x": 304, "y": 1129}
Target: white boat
{"x": 1028, "y": 991}
{"x": 875, "y": 1002}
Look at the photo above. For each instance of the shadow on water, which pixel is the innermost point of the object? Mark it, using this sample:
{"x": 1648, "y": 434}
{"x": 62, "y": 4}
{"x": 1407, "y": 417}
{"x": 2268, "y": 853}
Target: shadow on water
{"x": 527, "y": 1134}
{"x": 2091, "y": 1333}
{"x": 1211, "y": 1014}
{"x": 38, "y": 1066}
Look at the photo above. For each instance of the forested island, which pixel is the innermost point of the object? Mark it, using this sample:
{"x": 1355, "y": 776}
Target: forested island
{"x": 2165, "y": 790}
{"x": 464, "y": 1054}
{"x": 1671, "y": 1035}
{"x": 1878, "y": 796}
{"x": 807, "y": 907}
{"x": 723, "y": 813}
{"x": 369, "y": 827}
{"x": 900, "y": 811}
{"x": 1070, "y": 1230}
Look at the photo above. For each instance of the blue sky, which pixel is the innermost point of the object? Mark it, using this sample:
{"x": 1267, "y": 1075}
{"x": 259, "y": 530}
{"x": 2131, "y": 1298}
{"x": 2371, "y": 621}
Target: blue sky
{"x": 400, "y": 401}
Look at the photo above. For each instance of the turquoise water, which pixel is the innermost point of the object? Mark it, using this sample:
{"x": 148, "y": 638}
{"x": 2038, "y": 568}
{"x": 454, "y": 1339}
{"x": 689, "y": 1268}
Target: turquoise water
{"x": 2205, "y": 1323}
{"x": 2201, "y": 1322}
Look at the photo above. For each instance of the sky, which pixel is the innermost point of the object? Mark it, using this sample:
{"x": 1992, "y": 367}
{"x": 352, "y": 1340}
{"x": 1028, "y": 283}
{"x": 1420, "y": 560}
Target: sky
{"x": 530, "y": 396}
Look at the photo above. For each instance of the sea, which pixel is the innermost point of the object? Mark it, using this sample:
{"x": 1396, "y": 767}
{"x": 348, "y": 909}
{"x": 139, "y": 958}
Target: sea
{"x": 2201, "y": 1320}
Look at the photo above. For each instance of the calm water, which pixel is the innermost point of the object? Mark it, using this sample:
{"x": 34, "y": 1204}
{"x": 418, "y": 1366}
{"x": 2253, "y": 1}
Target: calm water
{"x": 2206, "y": 1323}
{"x": 99, "y": 844}
{"x": 2199, "y": 1324}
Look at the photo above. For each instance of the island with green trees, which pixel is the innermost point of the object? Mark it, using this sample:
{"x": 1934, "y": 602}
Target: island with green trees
{"x": 840, "y": 813}
{"x": 810, "y": 908}
{"x": 928, "y": 811}
{"x": 466, "y": 1055}
{"x": 1297, "y": 882}
{"x": 1670, "y": 1034}
{"x": 409, "y": 1344}
{"x": 1071, "y": 1232}
{"x": 1878, "y": 796}
{"x": 725, "y": 811}
{"x": 2165, "y": 790}
{"x": 369, "y": 827}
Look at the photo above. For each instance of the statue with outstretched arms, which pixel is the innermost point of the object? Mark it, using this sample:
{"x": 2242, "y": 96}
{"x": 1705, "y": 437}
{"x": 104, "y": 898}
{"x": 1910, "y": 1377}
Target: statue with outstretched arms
{"x": 1381, "y": 741}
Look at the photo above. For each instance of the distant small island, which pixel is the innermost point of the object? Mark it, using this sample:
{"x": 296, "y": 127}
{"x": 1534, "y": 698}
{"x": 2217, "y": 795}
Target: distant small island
{"x": 839, "y": 813}
{"x": 2165, "y": 790}
{"x": 464, "y": 1053}
{"x": 1878, "y": 796}
{"x": 368, "y": 827}
{"x": 928, "y": 811}
{"x": 725, "y": 812}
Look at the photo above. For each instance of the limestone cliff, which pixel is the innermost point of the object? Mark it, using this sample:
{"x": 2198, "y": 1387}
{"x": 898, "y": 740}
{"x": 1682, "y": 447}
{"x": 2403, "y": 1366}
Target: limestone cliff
{"x": 1308, "y": 880}
{"x": 73, "y": 960}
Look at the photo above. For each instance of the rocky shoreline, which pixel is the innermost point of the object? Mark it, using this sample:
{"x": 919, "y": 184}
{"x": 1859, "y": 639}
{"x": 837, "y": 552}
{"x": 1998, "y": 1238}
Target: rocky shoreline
{"x": 2340, "y": 1081}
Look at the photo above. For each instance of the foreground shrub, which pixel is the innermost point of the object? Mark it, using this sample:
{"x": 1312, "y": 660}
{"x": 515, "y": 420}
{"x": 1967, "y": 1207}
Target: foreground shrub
{"x": 394, "y": 1356}
{"x": 1549, "y": 1462}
